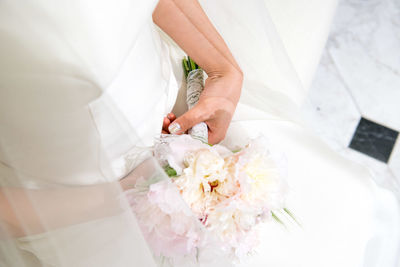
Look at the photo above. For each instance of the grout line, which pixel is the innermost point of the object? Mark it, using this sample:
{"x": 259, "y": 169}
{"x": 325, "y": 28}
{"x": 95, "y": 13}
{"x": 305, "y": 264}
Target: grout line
{"x": 345, "y": 84}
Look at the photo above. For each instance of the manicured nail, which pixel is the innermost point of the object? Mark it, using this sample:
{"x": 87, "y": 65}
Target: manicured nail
{"x": 174, "y": 128}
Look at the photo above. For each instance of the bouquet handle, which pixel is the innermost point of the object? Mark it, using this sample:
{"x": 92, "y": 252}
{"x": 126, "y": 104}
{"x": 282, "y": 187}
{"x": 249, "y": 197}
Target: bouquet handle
{"x": 195, "y": 85}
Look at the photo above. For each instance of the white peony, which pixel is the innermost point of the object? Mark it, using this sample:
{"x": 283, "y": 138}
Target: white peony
{"x": 230, "y": 193}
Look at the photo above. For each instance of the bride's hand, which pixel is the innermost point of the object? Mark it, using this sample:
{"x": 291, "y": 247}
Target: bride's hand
{"x": 188, "y": 25}
{"x": 216, "y": 106}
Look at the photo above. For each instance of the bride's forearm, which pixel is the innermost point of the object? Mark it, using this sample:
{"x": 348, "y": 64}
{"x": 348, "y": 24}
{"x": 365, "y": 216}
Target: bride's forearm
{"x": 26, "y": 211}
{"x": 188, "y": 25}
{"x": 32, "y": 211}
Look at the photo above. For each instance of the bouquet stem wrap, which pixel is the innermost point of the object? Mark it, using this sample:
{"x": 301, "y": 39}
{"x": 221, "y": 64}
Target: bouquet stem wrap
{"x": 195, "y": 85}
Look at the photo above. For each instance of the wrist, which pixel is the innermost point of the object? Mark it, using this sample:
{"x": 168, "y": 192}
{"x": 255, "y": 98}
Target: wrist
{"x": 226, "y": 86}
{"x": 225, "y": 71}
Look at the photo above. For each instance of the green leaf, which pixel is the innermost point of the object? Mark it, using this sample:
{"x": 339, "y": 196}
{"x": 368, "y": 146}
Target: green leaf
{"x": 288, "y": 212}
{"x": 276, "y": 218}
{"x": 170, "y": 171}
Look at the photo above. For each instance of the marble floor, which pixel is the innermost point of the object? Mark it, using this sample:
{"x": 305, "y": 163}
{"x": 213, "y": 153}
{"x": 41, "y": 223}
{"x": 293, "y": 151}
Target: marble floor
{"x": 354, "y": 101}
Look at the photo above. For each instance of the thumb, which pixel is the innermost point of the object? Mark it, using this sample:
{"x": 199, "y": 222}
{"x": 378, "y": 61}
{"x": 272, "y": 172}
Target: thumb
{"x": 186, "y": 121}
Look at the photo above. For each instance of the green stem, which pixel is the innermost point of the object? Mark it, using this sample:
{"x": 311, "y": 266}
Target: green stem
{"x": 189, "y": 65}
{"x": 185, "y": 67}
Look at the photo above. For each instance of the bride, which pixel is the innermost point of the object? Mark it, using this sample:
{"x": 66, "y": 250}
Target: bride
{"x": 84, "y": 88}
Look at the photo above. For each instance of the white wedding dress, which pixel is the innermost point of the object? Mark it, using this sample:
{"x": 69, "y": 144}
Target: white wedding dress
{"x": 84, "y": 85}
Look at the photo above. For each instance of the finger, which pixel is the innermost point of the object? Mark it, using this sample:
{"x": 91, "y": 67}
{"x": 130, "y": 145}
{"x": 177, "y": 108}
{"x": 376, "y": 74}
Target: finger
{"x": 164, "y": 132}
{"x": 186, "y": 121}
{"x": 171, "y": 116}
{"x": 166, "y": 123}
{"x": 216, "y": 135}
{"x": 215, "y": 138}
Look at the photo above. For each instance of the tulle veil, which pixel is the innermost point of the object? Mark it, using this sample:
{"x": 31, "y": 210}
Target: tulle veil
{"x": 50, "y": 219}
{"x": 271, "y": 84}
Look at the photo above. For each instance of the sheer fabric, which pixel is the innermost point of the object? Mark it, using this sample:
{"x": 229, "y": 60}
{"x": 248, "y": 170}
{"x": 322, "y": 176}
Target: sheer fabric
{"x": 76, "y": 78}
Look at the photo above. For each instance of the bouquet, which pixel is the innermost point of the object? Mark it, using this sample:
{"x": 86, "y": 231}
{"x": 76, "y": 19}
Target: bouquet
{"x": 214, "y": 198}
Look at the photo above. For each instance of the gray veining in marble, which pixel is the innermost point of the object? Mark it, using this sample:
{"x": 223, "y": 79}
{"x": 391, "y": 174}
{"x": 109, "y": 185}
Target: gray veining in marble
{"x": 359, "y": 75}
{"x": 365, "y": 47}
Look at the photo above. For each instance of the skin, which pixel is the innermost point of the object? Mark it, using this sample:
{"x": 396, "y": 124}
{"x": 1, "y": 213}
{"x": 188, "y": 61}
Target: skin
{"x": 167, "y": 121}
{"x": 188, "y": 25}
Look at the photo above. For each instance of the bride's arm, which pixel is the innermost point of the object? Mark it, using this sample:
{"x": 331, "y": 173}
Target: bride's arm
{"x": 32, "y": 211}
{"x": 26, "y": 211}
{"x": 186, "y": 23}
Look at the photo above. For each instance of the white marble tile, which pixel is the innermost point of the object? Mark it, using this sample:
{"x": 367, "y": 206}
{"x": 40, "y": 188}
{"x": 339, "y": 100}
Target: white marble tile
{"x": 330, "y": 109}
{"x": 334, "y": 117}
{"x": 359, "y": 75}
{"x": 365, "y": 48}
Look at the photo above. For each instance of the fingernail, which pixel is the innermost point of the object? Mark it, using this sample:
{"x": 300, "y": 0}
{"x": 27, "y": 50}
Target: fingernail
{"x": 170, "y": 116}
{"x": 174, "y": 128}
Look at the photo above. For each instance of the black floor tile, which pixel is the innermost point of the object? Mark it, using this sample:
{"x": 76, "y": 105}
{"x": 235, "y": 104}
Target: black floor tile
{"x": 374, "y": 140}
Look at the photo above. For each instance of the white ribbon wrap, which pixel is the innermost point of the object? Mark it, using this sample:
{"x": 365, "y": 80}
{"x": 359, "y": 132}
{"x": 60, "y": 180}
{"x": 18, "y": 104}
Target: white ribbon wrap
{"x": 195, "y": 85}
